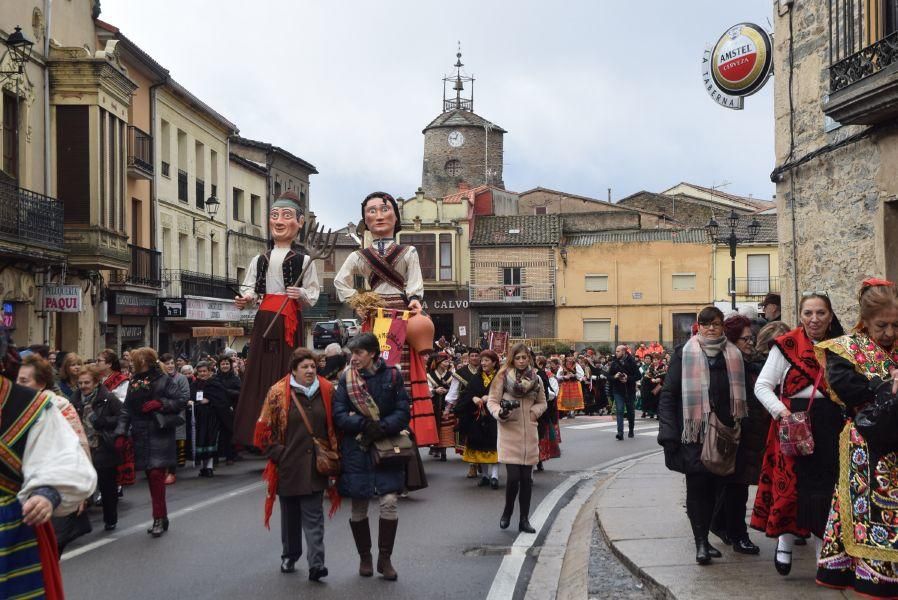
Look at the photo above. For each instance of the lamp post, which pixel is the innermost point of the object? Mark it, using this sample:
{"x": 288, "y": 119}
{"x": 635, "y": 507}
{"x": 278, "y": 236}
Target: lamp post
{"x": 212, "y": 205}
{"x": 713, "y": 229}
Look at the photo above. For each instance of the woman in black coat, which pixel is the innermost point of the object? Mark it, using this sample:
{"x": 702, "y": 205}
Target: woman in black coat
{"x": 704, "y": 362}
{"x": 230, "y": 382}
{"x": 208, "y": 399}
{"x": 100, "y": 410}
{"x": 360, "y": 479}
{"x": 150, "y": 413}
{"x": 475, "y": 422}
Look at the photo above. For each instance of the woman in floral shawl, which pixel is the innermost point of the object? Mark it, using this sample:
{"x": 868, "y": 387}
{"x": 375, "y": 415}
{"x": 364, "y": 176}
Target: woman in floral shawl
{"x": 517, "y": 400}
{"x": 860, "y": 542}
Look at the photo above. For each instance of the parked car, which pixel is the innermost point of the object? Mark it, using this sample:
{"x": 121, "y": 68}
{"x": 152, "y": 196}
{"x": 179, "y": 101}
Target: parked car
{"x": 328, "y": 332}
{"x": 352, "y": 327}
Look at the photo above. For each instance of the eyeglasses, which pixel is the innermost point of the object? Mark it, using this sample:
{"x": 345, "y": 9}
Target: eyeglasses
{"x": 747, "y": 338}
{"x": 815, "y": 293}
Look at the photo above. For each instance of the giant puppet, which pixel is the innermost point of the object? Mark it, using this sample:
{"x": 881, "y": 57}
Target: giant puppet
{"x": 269, "y": 280}
{"x": 393, "y": 272}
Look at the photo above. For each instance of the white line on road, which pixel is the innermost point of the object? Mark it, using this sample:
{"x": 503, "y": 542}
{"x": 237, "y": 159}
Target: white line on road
{"x": 143, "y": 526}
{"x": 507, "y": 576}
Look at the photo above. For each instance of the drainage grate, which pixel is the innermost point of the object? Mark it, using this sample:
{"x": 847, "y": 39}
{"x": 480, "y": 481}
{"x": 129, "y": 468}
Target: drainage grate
{"x": 497, "y": 551}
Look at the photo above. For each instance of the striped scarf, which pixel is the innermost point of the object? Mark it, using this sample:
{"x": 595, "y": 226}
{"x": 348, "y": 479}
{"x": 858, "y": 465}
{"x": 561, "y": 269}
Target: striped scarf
{"x": 696, "y": 378}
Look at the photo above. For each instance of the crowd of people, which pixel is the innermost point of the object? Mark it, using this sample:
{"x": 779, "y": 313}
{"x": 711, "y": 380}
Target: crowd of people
{"x": 809, "y": 415}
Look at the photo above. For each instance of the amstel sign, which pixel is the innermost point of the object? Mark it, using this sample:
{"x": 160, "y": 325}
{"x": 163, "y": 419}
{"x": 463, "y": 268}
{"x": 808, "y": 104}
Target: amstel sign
{"x": 738, "y": 65}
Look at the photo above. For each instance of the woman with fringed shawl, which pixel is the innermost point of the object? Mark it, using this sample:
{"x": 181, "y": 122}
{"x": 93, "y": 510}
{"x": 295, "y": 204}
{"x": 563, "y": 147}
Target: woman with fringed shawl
{"x": 707, "y": 374}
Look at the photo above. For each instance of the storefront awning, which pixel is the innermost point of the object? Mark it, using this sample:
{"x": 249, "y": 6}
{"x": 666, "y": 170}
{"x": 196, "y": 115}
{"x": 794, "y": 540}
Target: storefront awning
{"x": 202, "y": 332}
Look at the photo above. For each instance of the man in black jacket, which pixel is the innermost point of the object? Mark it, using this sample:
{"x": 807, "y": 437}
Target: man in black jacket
{"x": 623, "y": 374}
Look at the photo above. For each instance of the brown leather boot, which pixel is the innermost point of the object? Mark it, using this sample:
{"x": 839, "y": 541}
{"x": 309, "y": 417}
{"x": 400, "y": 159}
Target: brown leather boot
{"x": 386, "y": 536}
{"x": 361, "y": 533}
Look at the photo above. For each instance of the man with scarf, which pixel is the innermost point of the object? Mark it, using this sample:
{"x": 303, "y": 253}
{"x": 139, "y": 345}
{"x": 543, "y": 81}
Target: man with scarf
{"x": 706, "y": 375}
{"x": 269, "y": 280}
{"x": 370, "y": 404}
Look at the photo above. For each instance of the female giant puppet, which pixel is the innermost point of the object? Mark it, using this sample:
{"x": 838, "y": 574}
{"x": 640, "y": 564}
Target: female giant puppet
{"x": 394, "y": 273}
{"x": 270, "y": 277}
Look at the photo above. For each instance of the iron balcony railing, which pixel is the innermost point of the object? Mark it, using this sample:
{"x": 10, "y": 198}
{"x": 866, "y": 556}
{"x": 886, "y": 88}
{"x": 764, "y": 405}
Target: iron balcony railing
{"x": 863, "y": 40}
{"x": 140, "y": 150}
{"x": 30, "y": 218}
{"x": 518, "y": 293}
{"x": 182, "y": 185}
{"x": 189, "y": 283}
{"x": 145, "y": 270}
{"x": 755, "y": 286}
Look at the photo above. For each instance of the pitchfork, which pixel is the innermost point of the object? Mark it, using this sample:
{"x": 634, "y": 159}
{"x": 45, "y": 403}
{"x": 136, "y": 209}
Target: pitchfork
{"x": 317, "y": 245}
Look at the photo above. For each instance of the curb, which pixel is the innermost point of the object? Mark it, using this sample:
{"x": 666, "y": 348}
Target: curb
{"x": 657, "y": 589}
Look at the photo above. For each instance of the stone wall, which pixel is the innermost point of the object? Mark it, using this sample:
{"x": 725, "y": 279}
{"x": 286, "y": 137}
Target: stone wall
{"x": 689, "y": 212}
{"x": 437, "y": 183}
{"x": 838, "y": 204}
{"x": 600, "y": 221}
{"x": 556, "y": 202}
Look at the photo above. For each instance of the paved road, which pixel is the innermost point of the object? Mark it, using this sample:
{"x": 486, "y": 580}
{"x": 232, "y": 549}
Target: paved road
{"x": 449, "y": 544}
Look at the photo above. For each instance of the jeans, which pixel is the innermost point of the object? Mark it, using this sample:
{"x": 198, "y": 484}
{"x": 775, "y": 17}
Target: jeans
{"x": 620, "y": 402}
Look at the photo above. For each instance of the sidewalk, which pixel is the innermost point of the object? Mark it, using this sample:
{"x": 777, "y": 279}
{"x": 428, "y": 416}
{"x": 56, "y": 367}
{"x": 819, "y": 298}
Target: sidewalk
{"x": 642, "y": 514}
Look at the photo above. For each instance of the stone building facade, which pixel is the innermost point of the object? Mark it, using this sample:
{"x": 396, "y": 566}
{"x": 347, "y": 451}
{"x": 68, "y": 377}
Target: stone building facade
{"x": 836, "y": 149}
{"x": 286, "y": 171}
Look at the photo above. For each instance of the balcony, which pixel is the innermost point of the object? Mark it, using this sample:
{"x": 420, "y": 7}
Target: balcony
{"x": 863, "y": 73}
{"x": 189, "y": 283}
{"x": 145, "y": 271}
{"x": 533, "y": 293}
{"x": 140, "y": 153}
{"x": 30, "y": 219}
{"x": 755, "y": 287}
{"x": 96, "y": 248}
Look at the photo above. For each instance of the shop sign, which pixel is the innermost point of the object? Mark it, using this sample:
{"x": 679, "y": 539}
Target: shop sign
{"x": 738, "y": 65}
{"x": 9, "y": 315}
{"x": 62, "y": 298}
{"x": 172, "y": 308}
{"x": 132, "y": 304}
{"x": 212, "y": 310}
{"x": 132, "y": 332}
{"x": 228, "y": 332}
{"x": 446, "y": 305}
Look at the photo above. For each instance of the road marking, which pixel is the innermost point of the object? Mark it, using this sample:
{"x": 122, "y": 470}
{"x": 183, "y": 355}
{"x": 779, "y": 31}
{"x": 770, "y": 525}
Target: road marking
{"x": 507, "y": 576}
{"x": 145, "y": 525}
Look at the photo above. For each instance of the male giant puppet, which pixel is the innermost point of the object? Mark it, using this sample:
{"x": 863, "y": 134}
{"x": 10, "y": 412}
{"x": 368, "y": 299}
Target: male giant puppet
{"x": 270, "y": 278}
{"x": 393, "y": 272}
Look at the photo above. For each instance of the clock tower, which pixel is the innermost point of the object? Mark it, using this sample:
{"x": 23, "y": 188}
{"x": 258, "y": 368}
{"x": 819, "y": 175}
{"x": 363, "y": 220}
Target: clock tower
{"x": 459, "y": 145}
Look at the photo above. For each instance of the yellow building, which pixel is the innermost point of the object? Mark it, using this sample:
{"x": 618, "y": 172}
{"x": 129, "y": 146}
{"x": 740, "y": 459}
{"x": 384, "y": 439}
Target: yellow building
{"x": 632, "y": 286}
{"x": 757, "y": 263}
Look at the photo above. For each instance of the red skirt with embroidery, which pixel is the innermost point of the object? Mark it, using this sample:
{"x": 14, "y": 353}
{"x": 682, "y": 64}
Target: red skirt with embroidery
{"x": 776, "y": 504}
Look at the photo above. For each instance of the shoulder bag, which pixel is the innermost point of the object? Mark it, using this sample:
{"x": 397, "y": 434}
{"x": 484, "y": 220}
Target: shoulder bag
{"x": 164, "y": 421}
{"x": 721, "y": 444}
{"x": 392, "y": 451}
{"x": 795, "y": 434}
{"x": 327, "y": 459}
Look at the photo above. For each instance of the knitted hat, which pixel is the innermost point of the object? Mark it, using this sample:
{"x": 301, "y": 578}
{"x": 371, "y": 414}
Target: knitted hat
{"x": 288, "y": 199}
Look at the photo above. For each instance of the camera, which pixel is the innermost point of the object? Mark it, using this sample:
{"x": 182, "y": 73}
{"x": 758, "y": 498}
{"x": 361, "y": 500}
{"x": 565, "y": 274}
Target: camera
{"x": 509, "y": 405}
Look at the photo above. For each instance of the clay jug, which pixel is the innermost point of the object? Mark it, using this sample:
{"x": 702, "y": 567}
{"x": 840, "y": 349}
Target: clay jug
{"x": 419, "y": 333}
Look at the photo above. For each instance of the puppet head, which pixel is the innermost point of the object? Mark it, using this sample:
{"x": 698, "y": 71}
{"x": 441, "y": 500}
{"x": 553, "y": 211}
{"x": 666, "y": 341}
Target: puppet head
{"x": 285, "y": 218}
{"x": 380, "y": 213}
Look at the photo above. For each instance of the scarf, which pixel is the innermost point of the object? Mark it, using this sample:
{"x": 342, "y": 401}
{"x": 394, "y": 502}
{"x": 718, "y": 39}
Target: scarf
{"x": 361, "y": 399}
{"x": 798, "y": 349}
{"x": 487, "y": 378}
{"x": 697, "y": 378}
{"x": 114, "y": 380}
{"x": 519, "y": 383}
{"x": 310, "y": 391}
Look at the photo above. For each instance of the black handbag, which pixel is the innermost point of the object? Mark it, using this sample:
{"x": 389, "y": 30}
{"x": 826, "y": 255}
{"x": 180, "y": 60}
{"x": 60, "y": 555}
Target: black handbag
{"x": 165, "y": 422}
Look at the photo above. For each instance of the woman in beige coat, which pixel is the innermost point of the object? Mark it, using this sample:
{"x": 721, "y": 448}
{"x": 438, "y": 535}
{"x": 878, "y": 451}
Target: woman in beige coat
{"x": 516, "y": 401}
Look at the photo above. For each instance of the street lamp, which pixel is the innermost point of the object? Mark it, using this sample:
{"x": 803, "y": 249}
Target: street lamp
{"x": 212, "y": 205}
{"x": 20, "y": 48}
{"x": 713, "y": 229}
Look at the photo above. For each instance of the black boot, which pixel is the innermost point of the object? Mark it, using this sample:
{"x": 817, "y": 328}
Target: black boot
{"x": 386, "y": 538}
{"x": 745, "y": 546}
{"x": 524, "y": 526}
{"x": 156, "y": 530}
{"x": 702, "y": 555}
{"x": 164, "y": 523}
{"x": 361, "y": 533}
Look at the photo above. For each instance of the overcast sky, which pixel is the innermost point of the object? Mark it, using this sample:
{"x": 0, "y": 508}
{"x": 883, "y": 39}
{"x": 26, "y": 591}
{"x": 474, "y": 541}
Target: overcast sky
{"x": 594, "y": 93}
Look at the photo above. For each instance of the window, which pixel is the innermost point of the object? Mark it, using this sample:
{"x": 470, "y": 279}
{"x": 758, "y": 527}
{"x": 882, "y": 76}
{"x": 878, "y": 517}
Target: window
{"x": 10, "y": 135}
{"x": 165, "y": 145}
{"x": 241, "y": 274}
{"x": 182, "y": 185}
{"x": 758, "y": 268}
{"x": 200, "y": 194}
{"x": 182, "y": 151}
{"x": 237, "y": 205}
{"x": 183, "y": 252}
{"x": 596, "y": 283}
{"x": 136, "y": 222}
{"x": 539, "y": 210}
{"x": 453, "y": 167}
{"x": 201, "y": 256}
{"x": 213, "y": 169}
{"x": 330, "y": 263}
{"x": 255, "y": 207}
{"x": 445, "y": 257}
{"x": 166, "y": 247}
{"x": 511, "y": 280}
{"x": 277, "y": 189}
{"x": 683, "y": 281}
{"x": 596, "y": 330}
{"x": 214, "y": 245}
{"x": 425, "y": 244}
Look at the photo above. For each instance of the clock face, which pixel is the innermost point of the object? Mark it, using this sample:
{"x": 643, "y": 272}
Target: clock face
{"x": 456, "y": 139}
